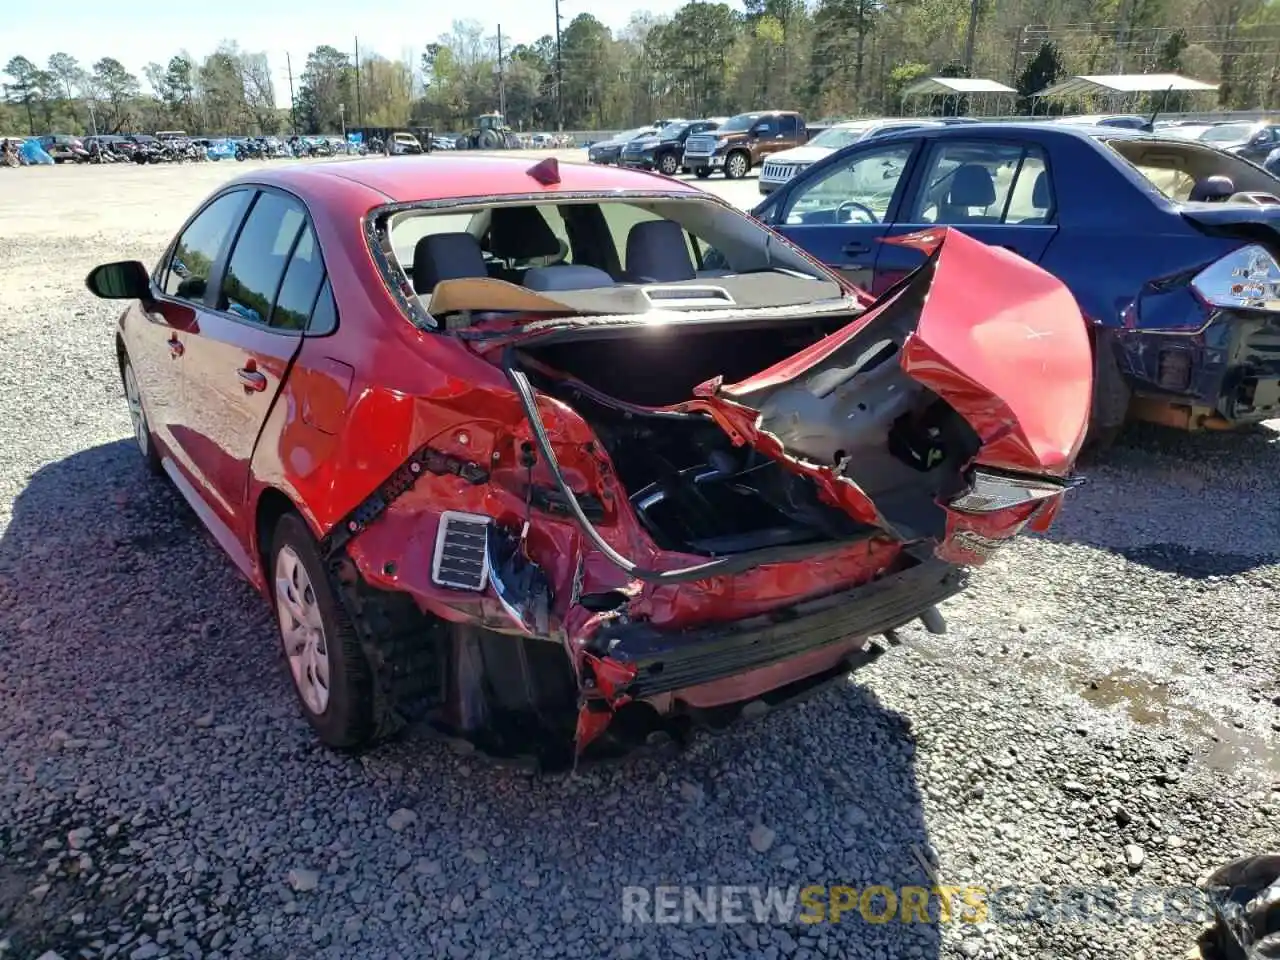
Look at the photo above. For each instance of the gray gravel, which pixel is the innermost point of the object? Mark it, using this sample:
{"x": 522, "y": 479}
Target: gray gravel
{"x": 1103, "y": 711}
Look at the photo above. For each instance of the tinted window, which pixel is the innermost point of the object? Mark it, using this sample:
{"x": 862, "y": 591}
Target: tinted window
{"x": 200, "y": 245}
{"x": 790, "y": 126}
{"x": 258, "y": 260}
{"x": 766, "y": 127}
{"x": 976, "y": 183}
{"x": 324, "y": 319}
{"x": 859, "y": 190}
{"x": 301, "y": 284}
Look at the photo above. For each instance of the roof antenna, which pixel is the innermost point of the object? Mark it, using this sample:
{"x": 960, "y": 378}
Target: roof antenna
{"x": 546, "y": 172}
{"x": 1164, "y": 102}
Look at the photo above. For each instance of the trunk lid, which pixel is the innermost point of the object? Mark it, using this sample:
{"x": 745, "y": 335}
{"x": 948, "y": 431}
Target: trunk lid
{"x": 1253, "y": 221}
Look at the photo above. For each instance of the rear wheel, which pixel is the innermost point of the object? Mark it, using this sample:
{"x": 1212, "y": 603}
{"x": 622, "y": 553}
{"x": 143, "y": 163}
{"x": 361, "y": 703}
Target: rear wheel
{"x": 327, "y": 665}
{"x": 736, "y": 166}
{"x": 1111, "y": 396}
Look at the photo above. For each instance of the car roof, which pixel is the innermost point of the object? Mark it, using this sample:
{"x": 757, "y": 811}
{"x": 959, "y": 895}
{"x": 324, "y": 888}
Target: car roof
{"x": 439, "y": 177}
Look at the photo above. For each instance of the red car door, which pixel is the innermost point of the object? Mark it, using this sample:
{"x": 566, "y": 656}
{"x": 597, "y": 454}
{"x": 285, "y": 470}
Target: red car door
{"x": 157, "y": 332}
{"x": 248, "y": 335}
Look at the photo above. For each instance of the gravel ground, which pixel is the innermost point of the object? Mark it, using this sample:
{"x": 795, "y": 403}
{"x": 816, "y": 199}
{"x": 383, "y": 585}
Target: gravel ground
{"x": 1103, "y": 710}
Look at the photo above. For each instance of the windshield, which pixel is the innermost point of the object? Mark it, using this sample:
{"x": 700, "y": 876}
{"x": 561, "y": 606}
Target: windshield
{"x": 633, "y": 134}
{"x": 743, "y": 121}
{"x": 837, "y": 137}
{"x": 672, "y": 130}
{"x": 1227, "y": 133}
{"x": 602, "y": 253}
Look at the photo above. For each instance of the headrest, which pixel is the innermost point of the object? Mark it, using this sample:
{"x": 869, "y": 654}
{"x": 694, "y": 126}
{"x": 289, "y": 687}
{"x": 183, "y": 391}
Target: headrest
{"x": 1212, "y": 188}
{"x": 658, "y": 252}
{"x": 971, "y": 186}
{"x": 446, "y": 256}
{"x": 566, "y": 276}
{"x": 1040, "y": 198}
{"x": 521, "y": 233}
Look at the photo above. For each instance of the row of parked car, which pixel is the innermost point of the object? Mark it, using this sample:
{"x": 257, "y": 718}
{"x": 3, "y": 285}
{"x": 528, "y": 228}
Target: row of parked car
{"x": 782, "y": 145}
{"x": 176, "y": 146}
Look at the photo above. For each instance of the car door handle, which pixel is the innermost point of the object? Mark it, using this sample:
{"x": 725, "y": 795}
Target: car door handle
{"x": 252, "y": 379}
{"x": 176, "y": 348}
{"x": 855, "y": 248}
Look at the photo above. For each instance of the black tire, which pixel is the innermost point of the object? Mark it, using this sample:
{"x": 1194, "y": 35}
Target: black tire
{"x": 144, "y": 439}
{"x": 347, "y": 720}
{"x": 733, "y": 160}
{"x": 1111, "y": 396}
{"x": 702, "y": 172}
{"x": 668, "y": 164}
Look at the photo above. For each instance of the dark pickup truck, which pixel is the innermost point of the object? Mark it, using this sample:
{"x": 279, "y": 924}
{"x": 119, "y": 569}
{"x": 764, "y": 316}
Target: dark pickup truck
{"x": 743, "y": 142}
{"x": 664, "y": 151}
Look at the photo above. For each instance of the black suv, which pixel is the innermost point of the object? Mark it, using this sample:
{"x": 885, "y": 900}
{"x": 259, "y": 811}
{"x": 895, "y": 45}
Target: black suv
{"x": 663, "y": 151}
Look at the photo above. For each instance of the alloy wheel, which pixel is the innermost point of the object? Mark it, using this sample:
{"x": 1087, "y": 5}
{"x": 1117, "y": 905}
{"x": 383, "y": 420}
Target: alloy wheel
{"x": 737, "y": 166}
{"x": 668, "y": 164}
{"x": 302, "y": 630}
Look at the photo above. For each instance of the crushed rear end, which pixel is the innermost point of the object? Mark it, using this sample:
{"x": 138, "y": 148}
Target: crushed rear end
{"x": 1202, "y": 348}
{"x": 654, "y": 525}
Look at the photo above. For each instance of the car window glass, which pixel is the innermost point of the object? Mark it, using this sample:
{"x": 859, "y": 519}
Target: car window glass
{"x": 972, "y": 182}
{"x": 767, "y": 127}
{"x": 201, "y": 244}
{"x": 858, "y": 190}
{"x": 301, "y": 284}
{"x": 789, "y": 126}
{"x": 258, "y": 259}
{"x": 406, "y": 231}
{"x": 1031, "y": 199}
{"x": 324, "y": 318}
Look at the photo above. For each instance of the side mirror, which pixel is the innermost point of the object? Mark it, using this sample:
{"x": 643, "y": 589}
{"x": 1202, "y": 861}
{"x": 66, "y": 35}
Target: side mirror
{"x": 123, "y": 280}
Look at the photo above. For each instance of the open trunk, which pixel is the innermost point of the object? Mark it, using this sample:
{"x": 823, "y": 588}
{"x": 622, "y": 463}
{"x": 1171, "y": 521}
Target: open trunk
{"x": 737, "y": 435}
{"x": 696, "y": 491}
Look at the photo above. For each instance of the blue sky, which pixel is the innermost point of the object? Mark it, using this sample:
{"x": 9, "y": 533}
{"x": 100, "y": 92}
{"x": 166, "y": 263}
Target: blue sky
{"x": 139, "y": 31}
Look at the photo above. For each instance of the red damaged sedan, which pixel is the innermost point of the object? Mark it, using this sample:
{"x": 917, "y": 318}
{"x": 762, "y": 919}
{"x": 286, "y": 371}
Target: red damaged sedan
{"x": 558, "y": 458}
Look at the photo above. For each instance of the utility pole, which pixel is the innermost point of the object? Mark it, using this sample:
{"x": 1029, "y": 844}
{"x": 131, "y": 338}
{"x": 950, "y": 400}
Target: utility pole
{"x": 502, "y": 87}
{"x": 359, "y": 117}
{"x": 293, "y": 104}
{"x": 969, "y": 37}
{"x": 559, "y": 76}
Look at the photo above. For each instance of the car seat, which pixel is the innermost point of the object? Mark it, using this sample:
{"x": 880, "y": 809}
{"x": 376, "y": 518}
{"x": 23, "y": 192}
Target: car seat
{"x": 566, "y": 276}
{"x": 657, "y": 252}
{"x": 446, "y": 256}
{"x": 521, "y": 234}
{"x": 1212, "y": 189}
{"x": 1041, "y": 200}
{"x": 971, "y": 186}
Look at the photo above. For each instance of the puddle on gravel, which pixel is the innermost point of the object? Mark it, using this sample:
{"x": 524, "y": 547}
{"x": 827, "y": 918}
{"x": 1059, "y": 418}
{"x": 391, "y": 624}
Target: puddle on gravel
{"x": 1152, "y": 703}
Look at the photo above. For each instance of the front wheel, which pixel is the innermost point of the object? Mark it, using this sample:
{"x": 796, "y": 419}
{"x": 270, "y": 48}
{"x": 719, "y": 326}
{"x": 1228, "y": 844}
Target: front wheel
{"x": 668, "y": 164}
{"x": 330, "y": 673}
{"x": 736, "y": 166}
{"x": 138, "y": 418}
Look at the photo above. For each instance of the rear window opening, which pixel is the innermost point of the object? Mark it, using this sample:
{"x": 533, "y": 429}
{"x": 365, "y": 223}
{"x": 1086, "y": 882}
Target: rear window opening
{"x": 1181, "y": 171}
{"x": 602, "y": 255}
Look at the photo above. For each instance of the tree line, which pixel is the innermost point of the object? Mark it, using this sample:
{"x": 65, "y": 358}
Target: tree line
{"x": 825, "y": 57}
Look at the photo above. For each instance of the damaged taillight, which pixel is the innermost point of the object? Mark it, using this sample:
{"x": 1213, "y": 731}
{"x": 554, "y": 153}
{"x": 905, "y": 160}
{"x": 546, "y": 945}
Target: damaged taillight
{"x": 1245, "y": 279}
{"x": 992, "y": 492}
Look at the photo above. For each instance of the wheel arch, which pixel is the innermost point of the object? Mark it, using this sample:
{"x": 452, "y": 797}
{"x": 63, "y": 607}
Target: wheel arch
{"x": 272, "y": 504}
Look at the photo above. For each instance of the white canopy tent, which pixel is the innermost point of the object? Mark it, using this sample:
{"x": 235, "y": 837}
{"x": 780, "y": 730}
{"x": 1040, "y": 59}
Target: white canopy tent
{"x": 1123, "y": 86}
{"x": 985, "y": 94}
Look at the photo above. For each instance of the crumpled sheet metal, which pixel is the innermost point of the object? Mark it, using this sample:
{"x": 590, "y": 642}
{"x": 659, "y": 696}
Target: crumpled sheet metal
{"x": 1245, "y": 895}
